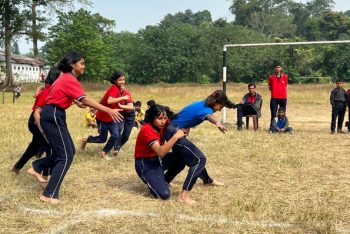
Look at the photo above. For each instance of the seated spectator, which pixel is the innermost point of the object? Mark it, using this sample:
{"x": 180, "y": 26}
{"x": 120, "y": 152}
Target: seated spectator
{"x": 249, "y": 105}
{"x": 17, "y": 90}
{"x": 90, "y": 119}
{"x": 280, "y": 123}
{"x": 140, "y": 114}
{"x": 150, "y": 103}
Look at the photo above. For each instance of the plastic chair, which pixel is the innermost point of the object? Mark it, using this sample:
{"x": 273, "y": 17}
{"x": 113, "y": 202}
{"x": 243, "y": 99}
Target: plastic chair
{"x": 255, "y": 120}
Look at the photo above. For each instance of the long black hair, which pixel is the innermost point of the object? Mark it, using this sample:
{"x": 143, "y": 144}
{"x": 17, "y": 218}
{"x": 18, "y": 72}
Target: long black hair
{"x": 154, "y": 111}
{"x": 65, "y": 65}
{"x": 218, "y": 96}
{"x": 115, "y": 76}
{"x": 53, "y": 74}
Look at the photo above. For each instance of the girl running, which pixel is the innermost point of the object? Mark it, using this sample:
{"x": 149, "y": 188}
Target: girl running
{"x": 150, "y": 146}
{"x": 63, "y": 93}
{"x": 104, "y": 122}
{"x": 189, "y": 117}
{"x": 128, "y": 114}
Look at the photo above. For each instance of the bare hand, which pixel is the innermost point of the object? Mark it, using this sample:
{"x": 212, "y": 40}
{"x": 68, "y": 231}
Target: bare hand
{"x": 180, "y": 133}
{"x": 186, "y": 131}
{"x": 115, "y": 114}
{"x": 80, "y": 104}
{"x": 221, "y": 127}
{"x": 126, "y": 97}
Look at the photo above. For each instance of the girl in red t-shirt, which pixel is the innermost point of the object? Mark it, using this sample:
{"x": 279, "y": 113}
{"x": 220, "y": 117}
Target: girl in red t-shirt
{"x": 104, "y": 122}
{"x": 152, "y": 156}
{"x": 64, "y": 91}
{"x": 128, "y": 114}
{"x": 38, "y": 139}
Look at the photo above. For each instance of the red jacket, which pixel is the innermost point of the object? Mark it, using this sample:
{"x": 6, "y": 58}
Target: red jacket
{"x": 278, "y": 86}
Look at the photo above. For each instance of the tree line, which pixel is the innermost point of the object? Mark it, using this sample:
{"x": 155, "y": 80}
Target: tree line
{"x": 187, "y": 46}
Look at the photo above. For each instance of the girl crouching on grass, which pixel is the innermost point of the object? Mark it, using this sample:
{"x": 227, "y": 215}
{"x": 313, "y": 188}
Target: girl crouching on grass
{"x": 189, "y": 117}
{"x": 150, "y": 146}
{"x": 65, "y": 90}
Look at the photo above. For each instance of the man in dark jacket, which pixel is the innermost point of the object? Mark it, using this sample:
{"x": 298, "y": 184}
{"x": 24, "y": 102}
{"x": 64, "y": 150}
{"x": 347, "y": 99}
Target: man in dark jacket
{"x": 252, "y": 98}
{"x": 338, "y": 100}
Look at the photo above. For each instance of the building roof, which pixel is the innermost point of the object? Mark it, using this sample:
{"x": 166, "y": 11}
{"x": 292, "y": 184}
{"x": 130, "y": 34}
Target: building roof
{"x": 20, "y": 59}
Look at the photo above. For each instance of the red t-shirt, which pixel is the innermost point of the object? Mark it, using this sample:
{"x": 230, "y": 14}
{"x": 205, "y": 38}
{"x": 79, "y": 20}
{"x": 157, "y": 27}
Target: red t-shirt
{"x": 41, "y": 97}
{"x": 125, "y": 102}
{"x": 64, "y": 91}
{"x": 251, "y": 99}
{"x": 114, "y": 92}
{"x": 278, "y": 86}
{"x": 148, "y": 135}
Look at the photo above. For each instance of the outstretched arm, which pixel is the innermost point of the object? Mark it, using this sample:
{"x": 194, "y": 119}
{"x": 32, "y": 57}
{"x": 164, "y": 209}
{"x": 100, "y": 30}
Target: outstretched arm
{"x": 112, "y": 100}
{"x": 129, "y": 106}
{"x": 114, "y": 113}
{"x": 212, "y": 119}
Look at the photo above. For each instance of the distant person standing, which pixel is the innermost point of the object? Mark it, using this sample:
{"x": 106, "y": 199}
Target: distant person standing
{"x": 338, "y": 100}
{"x": 278, "y": 82}
{"x": 347, "y": 122}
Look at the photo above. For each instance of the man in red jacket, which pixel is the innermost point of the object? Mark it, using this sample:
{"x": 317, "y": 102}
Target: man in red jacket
{"x": 278, "y": 82}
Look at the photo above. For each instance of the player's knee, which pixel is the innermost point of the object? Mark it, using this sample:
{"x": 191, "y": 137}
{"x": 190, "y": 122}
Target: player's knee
{"x": 165, "y": 195}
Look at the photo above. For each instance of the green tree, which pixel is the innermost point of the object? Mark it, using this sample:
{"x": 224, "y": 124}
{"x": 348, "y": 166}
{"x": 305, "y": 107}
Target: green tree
{"x": 84, "y": 32}
{"x": 15, "y": 48}
{"x": 38, "y": 18}
{"x": 12, "y": 23}
{"x": 334, "y": 24}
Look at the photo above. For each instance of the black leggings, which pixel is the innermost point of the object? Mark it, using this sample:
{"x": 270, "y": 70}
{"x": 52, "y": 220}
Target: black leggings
{"x": 276, "y": 103}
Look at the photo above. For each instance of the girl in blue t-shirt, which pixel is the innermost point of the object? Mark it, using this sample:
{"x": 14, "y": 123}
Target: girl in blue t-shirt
{"x": 189, "y": 117}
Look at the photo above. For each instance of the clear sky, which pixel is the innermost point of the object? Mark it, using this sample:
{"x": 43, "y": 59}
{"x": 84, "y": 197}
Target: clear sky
{"x": 132, "y": 15}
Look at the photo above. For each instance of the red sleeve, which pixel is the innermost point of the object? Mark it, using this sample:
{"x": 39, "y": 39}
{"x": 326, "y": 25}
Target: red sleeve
{"x": 270, "y": 81}
{"x": 40, "y": 99}
{"x": 126, "y": 92}
{"x": 115, "y": 92}
{"x": 150, "y": 136}
{"x": 74, "y": 90}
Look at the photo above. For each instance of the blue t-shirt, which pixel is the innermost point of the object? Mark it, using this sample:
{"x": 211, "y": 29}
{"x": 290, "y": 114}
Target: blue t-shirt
{"x": 281, "y": 122}
{"x": 192, "y": 115}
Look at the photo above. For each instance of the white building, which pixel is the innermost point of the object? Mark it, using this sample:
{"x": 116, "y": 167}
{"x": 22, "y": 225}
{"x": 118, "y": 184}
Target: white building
{"x": 25, "y": 69}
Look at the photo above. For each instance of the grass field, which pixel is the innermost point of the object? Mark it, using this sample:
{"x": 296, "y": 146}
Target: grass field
{"x": 296, "y": 183}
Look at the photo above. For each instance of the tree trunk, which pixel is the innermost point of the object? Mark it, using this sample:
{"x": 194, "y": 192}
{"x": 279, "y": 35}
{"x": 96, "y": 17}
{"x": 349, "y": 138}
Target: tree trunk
{"x": 8, "y": 67}
{"x": 34, "y": 31}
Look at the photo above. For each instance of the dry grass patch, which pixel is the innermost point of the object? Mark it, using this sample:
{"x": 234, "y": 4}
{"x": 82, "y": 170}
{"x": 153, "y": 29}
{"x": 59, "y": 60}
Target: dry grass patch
{"x": 273, "y": 183}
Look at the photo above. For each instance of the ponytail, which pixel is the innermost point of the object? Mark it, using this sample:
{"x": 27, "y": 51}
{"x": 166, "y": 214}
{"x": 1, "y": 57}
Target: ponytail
{"x": 218, "y": 96}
